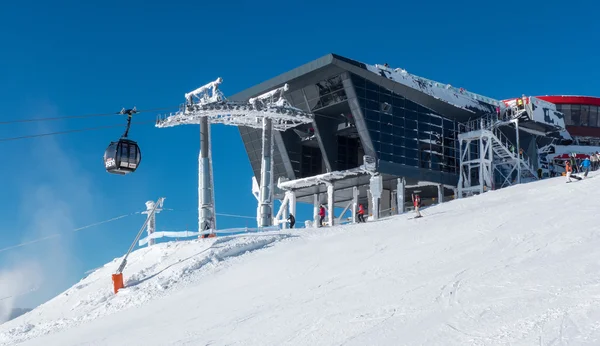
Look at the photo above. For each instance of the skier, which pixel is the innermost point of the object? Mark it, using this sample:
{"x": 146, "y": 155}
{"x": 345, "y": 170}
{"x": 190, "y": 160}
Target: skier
{"x": 573, "y": 163}
{"x": 361, "y": 213}
{"x": 321, "y": 215}
{"x": 292, "y": 220}
{"x": 569, "y": 171}
{"x": 585, "y": 167}
{"x": 417, "y": 203}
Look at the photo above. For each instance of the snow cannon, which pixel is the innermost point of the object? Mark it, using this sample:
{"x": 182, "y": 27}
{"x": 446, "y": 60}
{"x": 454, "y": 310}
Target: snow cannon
{"x": 117, "y": 280}
{"x": 117, "y": 277}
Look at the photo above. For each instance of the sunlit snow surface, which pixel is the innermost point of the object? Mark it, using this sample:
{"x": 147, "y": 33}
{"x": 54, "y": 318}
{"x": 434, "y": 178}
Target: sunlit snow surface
{"x": 518, "y": 266}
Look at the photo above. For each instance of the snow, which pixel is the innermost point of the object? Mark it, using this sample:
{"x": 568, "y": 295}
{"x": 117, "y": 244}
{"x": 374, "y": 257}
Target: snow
{"x": 458, "y": 97}
{"x": 516, "y": 266}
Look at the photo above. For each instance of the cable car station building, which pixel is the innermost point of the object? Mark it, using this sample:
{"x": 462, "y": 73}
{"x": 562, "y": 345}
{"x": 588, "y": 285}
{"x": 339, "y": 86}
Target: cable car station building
{"x": 379, "y": 134}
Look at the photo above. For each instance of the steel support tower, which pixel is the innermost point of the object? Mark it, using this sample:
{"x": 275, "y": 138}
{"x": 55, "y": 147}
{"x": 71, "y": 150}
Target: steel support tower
{"x": 269, "y": 112}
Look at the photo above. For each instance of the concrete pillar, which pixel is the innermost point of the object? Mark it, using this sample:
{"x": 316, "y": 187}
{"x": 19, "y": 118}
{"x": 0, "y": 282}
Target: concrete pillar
{"x": 376, "y": 188}
{"x": 400, "y": 190}
{"x": 354, "y": 203}
{"x": 440, "y": 193}
{"x": 292, "y": 202}
{"x": 316, "y": 210}
{"x": 330, "y": 204}
{"x": 386, "y": 202}
{"x": 285, "y": 214}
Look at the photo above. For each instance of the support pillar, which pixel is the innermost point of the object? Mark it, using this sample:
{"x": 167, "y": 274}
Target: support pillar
{"x": 440, "y": 193}
{"x": 291, "y": 202}
{"x": 354, "y": 203}
{"x": 151, "y": 221}
{"x": 330, "y": 204}
{"x": 376, "y": 187}
{"x": 206, "y": 212}
{"x": 518, "y": 150}
{"x": 285, "y": 215}
{"x": 386, "y": 202}
{"x": 400, "y": 195}
{"x": 266, "y": 176}
{"x": 315, "y": 210}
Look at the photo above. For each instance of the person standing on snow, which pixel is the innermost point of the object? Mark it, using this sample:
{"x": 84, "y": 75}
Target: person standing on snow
{"x": 292, "y": 220}
{"x": 417, "y": 203}
{"x": 321, "y": 215}
{"x": 361, "y": 213}
{"x": 569, "y": 171}
{"x": 585, "y": 166}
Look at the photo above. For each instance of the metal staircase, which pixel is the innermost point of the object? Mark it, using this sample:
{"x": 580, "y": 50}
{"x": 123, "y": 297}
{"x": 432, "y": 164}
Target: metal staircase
{"x": 488, "y": 159}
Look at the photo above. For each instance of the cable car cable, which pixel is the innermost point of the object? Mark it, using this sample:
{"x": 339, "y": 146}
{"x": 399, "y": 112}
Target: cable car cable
{"x": 77, "y": 116}
{"x": 70, "y": 131}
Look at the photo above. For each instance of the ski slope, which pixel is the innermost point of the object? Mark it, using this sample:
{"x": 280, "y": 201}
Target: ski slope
{"x": 517, "y": 266}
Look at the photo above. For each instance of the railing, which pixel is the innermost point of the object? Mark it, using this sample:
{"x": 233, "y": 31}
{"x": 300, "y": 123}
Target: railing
{"x": 490, "y": 122}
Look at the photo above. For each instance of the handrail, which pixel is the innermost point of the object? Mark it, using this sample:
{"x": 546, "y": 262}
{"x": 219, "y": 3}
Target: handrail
{"x": 490, "y": 122}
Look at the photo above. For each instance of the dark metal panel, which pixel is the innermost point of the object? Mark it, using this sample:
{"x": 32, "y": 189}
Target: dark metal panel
{"x": 359, "y": 118}
{"x": 418, "y": 174}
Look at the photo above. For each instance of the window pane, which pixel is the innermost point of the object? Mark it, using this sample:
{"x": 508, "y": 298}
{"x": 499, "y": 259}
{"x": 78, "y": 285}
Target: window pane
{"x": 566, "y": 110}
{"x": 585, "y": 115}
{"x": 593, "y": 116}
{"x": 576, "y": 114}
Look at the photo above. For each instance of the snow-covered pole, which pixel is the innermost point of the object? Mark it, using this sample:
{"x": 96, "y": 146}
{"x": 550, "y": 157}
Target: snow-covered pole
{"x": 292, "y": 202}
{"x": 376, "y": 188}
{"x": 330, "y": 204}
{"x": 266, "y": 171}
{"x": 118, "y": 276}
{"x": 354, "y": 203}
{"x": 400, "y": 194}
{"x": 316, "y": 210}
{"x": 518, "y": 150}
{"x": 151, "y": 227}
{"x": 205, "y": 190}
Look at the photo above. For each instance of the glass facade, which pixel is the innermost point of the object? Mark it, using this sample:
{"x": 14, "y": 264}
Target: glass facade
{"x": 580, "y": 115}
{"x": 322, "y": 94}
{"x": 405, "y": 132}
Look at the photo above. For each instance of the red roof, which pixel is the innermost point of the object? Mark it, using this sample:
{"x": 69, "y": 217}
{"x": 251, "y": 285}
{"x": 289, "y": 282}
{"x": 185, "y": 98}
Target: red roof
{"x": 571, "y": 99}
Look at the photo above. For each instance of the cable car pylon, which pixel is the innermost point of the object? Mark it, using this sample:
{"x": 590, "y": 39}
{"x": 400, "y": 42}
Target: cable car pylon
{"x": 268, "y": 112}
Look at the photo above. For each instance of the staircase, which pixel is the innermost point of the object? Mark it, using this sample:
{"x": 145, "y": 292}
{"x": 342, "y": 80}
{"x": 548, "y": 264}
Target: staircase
{"x": 488, "y": 159}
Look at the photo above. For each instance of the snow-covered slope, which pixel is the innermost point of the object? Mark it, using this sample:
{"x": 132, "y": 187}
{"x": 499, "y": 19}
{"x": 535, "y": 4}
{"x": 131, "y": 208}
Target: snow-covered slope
{"x": 517, "y": 266}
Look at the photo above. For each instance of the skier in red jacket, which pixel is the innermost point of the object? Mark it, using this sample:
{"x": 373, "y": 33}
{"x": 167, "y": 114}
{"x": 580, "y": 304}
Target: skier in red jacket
{"x": 321, "y": 215}
{"x": 361, "y": 213}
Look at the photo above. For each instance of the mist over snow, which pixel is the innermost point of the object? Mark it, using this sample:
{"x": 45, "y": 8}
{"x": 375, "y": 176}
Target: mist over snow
{"x": 56, "y": 196}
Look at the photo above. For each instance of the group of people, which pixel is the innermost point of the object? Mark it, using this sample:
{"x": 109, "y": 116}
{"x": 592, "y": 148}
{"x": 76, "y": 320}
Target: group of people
{"x": 572, "y": 166}
{"x": 360, "y": 213}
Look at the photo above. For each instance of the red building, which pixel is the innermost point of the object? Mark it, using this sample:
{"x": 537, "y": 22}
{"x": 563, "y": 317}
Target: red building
{"x": 581, "y": 116}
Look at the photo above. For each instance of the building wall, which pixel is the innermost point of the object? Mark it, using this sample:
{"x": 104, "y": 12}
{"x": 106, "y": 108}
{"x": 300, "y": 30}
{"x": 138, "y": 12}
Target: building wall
{"x": 582, "y": 114}
{"x": 404, "y": 132}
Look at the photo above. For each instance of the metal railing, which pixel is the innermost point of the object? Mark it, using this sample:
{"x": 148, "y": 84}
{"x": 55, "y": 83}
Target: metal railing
{"x": 491, "y": 122}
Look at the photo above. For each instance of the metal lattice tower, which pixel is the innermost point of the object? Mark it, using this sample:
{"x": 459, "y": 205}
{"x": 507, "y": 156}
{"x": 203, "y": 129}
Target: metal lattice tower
{"x": 269, "y": 111}
{"x": 487, "y": 152}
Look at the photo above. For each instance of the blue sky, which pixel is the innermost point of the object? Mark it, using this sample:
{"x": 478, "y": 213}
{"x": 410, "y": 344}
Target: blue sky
{"x": 73, "y": 58}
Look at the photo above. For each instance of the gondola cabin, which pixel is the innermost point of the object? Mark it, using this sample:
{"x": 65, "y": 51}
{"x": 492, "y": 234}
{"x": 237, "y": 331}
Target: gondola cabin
{"x": 122, "y": 157}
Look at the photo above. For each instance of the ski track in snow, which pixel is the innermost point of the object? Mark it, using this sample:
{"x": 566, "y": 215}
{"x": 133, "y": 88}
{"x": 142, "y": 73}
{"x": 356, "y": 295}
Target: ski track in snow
{"x": 518, "y": 266}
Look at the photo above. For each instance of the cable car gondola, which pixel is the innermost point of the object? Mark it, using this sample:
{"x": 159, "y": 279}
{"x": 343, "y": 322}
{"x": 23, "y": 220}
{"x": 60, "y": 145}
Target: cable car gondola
{"x": 124, "y": 156}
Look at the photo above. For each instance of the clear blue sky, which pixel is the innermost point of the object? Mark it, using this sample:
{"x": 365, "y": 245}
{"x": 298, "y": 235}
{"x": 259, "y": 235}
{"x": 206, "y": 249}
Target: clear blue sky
{"x": 72, "y": 58}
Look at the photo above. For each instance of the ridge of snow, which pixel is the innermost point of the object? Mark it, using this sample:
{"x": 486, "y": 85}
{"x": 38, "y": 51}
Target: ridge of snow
{"x": 512, "y": 266}
{"x": 151, "y": 273}
{"x": 458, "y": 97}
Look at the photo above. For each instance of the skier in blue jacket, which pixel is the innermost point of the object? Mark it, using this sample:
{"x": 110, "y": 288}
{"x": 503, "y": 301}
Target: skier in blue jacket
{"x": 585, "y": 165}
